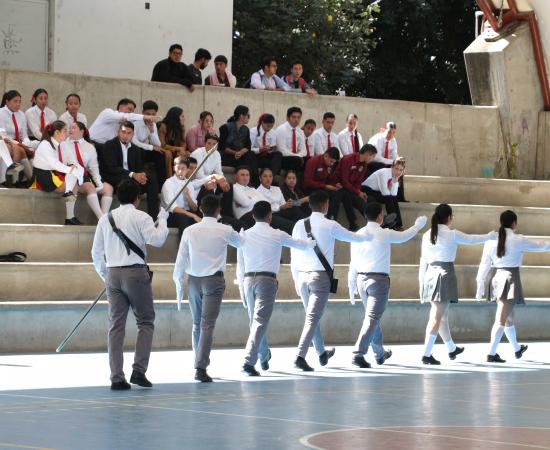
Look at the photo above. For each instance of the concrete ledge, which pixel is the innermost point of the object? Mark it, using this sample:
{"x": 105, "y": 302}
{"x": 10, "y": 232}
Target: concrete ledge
{"x": 41, "y": 327}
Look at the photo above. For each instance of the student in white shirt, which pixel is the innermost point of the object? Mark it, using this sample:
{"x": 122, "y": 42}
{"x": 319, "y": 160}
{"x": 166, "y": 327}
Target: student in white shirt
{"x": 184, "y": 211}
{"x": 349, "y": 139}
{"x": 308, "y": 129}
{"x": 264, "y": 144}
{"x": 267, "y": 79}
{"x": 39, "y": 115}
{"x": 146, "y": 137}
{"x": 324, "y": 137}
{"x": 281, "y": 208}
{"x": 258, "y": 263}
{"x": 369, "y": 275}
{"x": 290, "y": 140}
{"x": 72, "y": 112}
{"x": 437, "y": 279}
{"x": 382, "y": 186}
{"x": 202, "y": 255}
{"x": 51, "y": 174}
{"x": 505, "y": 258}
{"x": 78, "y": 150}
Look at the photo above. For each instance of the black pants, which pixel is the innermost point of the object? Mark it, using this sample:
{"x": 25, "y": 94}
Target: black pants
{"x": 389, "y": 201}
{"x": 334, "y": 200}
{"x": 226, "y": 200}
{"x": 270, "y": 160}
{"x": 248, "y": 159}
{"x": 179, "y": 221}
{"x": 351, "y": 202}
{"x": 375, "y": 165}
{"x": 157, "y": 164}
{"x": 151, "y": 188}
{"x": 295, "y": 163}
{"x": 278, "y": 222}
{"x": 295, "y": 213}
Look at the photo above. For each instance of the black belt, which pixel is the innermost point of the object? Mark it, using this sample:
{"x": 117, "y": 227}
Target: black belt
{"x": 133, "y": 266}
{"x": 369, "y": 274}
{"x": 260, "y": 274}
{"x": 219, "y": 273}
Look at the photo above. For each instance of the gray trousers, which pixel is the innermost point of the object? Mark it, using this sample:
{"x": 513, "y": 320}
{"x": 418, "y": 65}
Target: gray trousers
{"x": 374, "y": 291}
{"x": 314, "y": 290}
{"x": 129, "y": 287}
{"x": 205, "y": 299}
{"x": 260, "y": 293}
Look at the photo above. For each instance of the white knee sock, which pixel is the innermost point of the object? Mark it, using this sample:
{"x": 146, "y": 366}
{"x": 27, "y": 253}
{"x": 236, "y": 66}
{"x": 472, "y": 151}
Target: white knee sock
{"x": 511, "y": 336}
{"x": 496, "y": 335}
{"x": 429, "y": 344}
{"x": 3, "y": 170}
{"x": 93, "y": 202}
{"x": 69, "y": 206}
{"x": 445, "y": 334}
{"x": 70, "y": 182}
{"x": 27, "y": 167}
{"x": 106, "y": 201}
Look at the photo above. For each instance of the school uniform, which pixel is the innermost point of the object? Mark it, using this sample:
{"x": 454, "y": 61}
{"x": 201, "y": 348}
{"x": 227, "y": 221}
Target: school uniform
{"x": 107, "y": 123}
{"x": 382, "y": 188}
{"x": 323, "y": 140}
{"x": 351, "y": 172}
{"x": 169, "y": 190}
{"x": 50, "y": 170}
{"x": 300, "y": 210}
{"x": 316, "y": 176}
{"x": 291, "y": 143}
{"x": 349, "y": 142}
{"x": 38, "y": 120}
{"x": 202, "y": 255}
{"x": 273, "y": 158}
{"x": 15, "y": 125}
{"x": 385, "y": 156}
{"x": 275, "y": 197}
{"x": 84, "y": 154}
{"x": 69, "y": 119}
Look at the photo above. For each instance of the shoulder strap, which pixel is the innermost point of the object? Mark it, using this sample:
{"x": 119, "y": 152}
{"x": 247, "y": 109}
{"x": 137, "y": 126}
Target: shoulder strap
{"x": 317, "y": 250}
{"x": 128, "y": 243}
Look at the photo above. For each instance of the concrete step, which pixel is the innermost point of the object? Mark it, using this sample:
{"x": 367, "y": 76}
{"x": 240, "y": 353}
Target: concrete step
{"x": 78, "y": 281}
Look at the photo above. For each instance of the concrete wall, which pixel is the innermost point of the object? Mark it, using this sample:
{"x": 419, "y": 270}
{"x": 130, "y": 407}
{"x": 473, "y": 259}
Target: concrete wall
{"x": 437, "y": 139}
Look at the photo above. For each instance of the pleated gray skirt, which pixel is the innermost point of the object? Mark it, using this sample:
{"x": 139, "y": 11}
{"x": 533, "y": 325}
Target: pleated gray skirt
{"x": 439, "y": 284}
{"x": 505, "y": 284}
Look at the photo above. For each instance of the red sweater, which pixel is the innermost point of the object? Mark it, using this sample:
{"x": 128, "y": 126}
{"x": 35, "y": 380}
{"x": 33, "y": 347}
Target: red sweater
{"x": 317, "y": 175}
{"x": 352, "y": 172}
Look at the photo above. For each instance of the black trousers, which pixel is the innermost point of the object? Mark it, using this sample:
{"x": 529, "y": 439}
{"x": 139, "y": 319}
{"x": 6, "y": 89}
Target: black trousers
{"x": 351, "y": 202}
{"x": 375, "y": 165}
{"x": 226, "y": 200}
{"x": 278, "y": 222}
{"x": 179, "y": 221}
{"x": 156, "y": 163}
{"x": 295, "y": 163}
{"x": 270, "y": 160}
{"x": 151, "y": 188}
{"x": 295, "y": 213}
{"x": 389, "y": 201}
{"x": 248, "y": 159}
{"x": 334, "y": 200}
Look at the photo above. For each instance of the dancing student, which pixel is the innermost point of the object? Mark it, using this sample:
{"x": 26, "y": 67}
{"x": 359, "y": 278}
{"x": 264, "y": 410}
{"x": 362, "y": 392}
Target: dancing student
{"x": 437, "y": 279}
{"x": 78, "y": 150}
{"x": 279, "y": 205}
{"x": 39, "y": 115}
{"x": 264, "y": 144}
{"x": 505, "y": 256}
{"x": 290, "y": 190}
{"x": 72, "y": 112}
{"x": 51, "y": 174}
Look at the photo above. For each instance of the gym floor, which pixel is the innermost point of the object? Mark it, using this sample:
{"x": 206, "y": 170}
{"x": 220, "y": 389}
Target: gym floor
{"x": 64, "y": 402}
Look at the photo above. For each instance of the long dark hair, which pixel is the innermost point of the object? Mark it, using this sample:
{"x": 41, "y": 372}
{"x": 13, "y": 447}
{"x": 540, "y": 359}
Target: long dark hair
{"x": 51, "y": 128}
{"x": 507, "y": 218}
{"x": 83, "y": 128}
{"x": 239, "y": 111}
{"x": 440, "y": 216}
{"x": 264, "y": 118}
{"x": 10, "y": 95}
{"x": 36, "y": 94}
{"x": 174, "y": 128}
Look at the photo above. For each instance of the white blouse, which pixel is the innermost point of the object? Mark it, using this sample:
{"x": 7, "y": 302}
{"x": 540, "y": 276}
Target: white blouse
{"x": 33, "y": 120}
{"x": 273, "y": 195}
{"x": 88, "y": 154}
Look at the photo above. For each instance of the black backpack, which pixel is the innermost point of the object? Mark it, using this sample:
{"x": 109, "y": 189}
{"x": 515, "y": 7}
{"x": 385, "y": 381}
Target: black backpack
{"x": 13, "y": 257}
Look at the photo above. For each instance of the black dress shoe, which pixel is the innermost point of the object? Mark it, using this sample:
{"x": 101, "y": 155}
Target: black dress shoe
{"x": 251, "y": 370}
{"x": 430, "y": 360}
{"x": 140, "y": 379}
{"x": 120, "y": 386}
{"x": 202, "y": 376}
{"x": 521, "y": 351}
{"x": 457, "y": 351}
{"x": 495, "y": 358}
{"x": 387, "y": 355}
{"x": 301, "y": 363}
{"x": 389, "y": 220}
{"x": 265, "y": 364}
{"x": 73, "y": 221}
{"x": 326, "y": 355}
{"x": 359, "y": 361}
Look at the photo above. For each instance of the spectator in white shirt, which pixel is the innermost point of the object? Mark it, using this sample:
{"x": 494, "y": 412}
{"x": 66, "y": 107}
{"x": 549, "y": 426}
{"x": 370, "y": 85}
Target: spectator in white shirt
{"x": 323, "y": 137}
{"x": 267, "y": 79}
{"x": 264, "y": 144}
{"x": 72, "y": 112}
{"x": 308, "y": 129}
{"x": 290, "y": 140}
{"x": 209, "y": 179}
{"x": 281, "y": 208}
{"x": 349, "y": 139}
{"x": 39, "y": 115}
{"x": 146, "y": 137}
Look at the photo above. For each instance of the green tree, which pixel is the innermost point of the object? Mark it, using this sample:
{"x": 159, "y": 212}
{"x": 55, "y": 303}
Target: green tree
{"x": 331, "y": 38}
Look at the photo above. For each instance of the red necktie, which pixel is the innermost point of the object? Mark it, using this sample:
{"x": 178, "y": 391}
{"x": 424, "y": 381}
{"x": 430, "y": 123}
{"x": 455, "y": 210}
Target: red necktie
{"x": 294, "y": 140}
{"x": 389, "y": 183}
{"x": 42, "y": 122}
{"x": 387, "y": 150}
{"x": 264, "y": 140}
{"x": 328, "y": 141}
{"x": 16, "y": 127}
{"x": 307, "y": 147}
{"x": 79, "y": 157}
{"x": 59, "y": 152}
{"x": 352, "y": 143}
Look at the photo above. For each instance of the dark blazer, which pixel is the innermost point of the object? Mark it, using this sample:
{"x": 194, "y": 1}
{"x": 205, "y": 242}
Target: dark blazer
{"x": 111, "y": 158}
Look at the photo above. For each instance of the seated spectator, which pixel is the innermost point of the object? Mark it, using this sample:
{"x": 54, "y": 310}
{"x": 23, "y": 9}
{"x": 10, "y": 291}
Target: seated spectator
{"x": 280, "y": 207}
{"x": 38, "y": 116}
{"x": 320, "y": 173}
{"x": 349, "y": 139}
{"x": 202, "y": 58}
{"x": 235, "y": 145}
{"x": 78, "y": 150}
{"x": 382, "y": 187}
{"x": 266, "y": 78}
{"x": 13, "y": 129}
{"x": 297, "y": 82}
{"x": 72, "y": 112}
{"x": 195, "y": 135}
{"x": 291, "y": 191}
{"x": 184, "y": 211}
{"x": 51, "y": 174}
{"x": 172, "y": 137}
{"x": 123, "y": 160}
{"x": 244, "y": 199}
{"x": 172, "y": 70}
{"x": 290, "y": 140}
{"x": 309, "y": 127}
{"x": 323, "y": 137}
{"x": 222, "y": 76}
{"x": 264, "y": 144}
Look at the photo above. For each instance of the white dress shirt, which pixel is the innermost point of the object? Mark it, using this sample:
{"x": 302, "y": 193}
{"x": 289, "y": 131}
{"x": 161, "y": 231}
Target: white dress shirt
{"x": 125, "y": 148}
{"x": 259, "y": 80}
{"x": 203, "y": 251}
{"x": 169, "y": 190}
{"x": 256, "y": 138}
{"x": 46, "y": 157}
{"x": 89, "y": 158}
{"x": 283, "y": 138}
{"x": 261, "y": 251}
{"x": 379, "y": 141}
{"x": 380, "y": 181}
{"x": 325, "y": 232}
{"x": 69, "y": 120}
{"x": 6, "y": 123}
{"x": 145, "y": 138}
{"x": 244, "y": 199}
{"x": 33, "y": 120}
{"x": 109, "y": 251}
{"x": 273, "y": 195}
{"x": 344, "y": 141}
{"x": 213, "y": 165}
{"x": 106, "y": 125}
{"x": 320, "y": 140}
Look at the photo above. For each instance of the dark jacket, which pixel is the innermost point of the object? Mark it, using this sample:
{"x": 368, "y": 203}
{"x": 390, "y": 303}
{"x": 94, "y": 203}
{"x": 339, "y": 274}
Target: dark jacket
{"x": 168, "y": 71}
{"x": 111, "y": 159}
{"x": 234, "y": 139}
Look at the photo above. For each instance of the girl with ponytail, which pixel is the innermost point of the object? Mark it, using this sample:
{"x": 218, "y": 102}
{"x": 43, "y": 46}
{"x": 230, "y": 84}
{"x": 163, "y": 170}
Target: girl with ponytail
{"x": 264, "y": 144}
{"x": 39, "y": 115}
{"x": 504, "y": 257}
{"x": 437, "y": 278}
